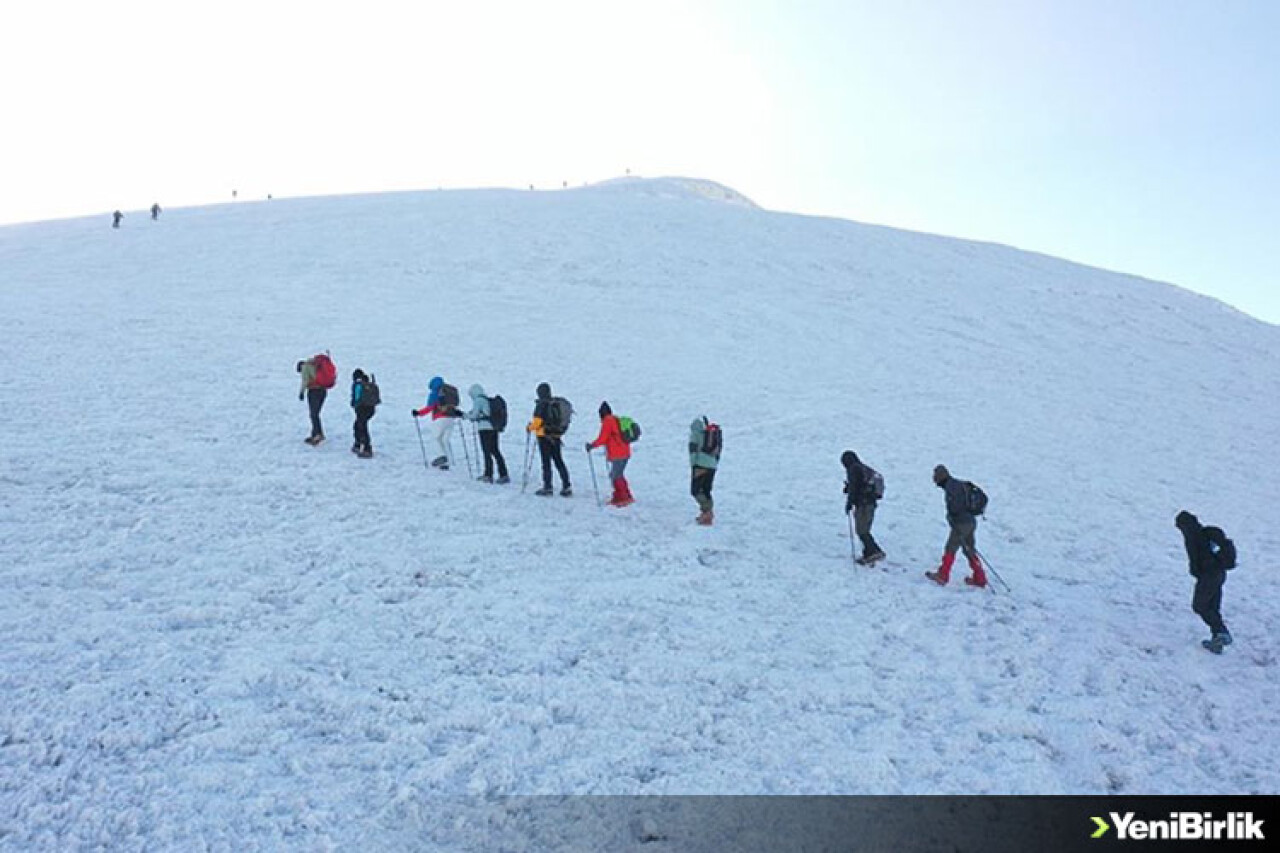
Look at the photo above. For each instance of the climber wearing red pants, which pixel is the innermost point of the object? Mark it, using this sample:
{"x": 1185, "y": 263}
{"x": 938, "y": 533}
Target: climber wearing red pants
{"x": 963, "y": 524}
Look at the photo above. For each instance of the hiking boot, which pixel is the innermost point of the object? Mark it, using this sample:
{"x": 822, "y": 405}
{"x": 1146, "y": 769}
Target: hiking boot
{"x": 1219, "y": 641}
{"x": 706, "y": 519}
{"x": 544, "y": 492}
{"x": 440, "y": 462}
{"x": 484, "y": 478}
{"x": 355, "y": 448}
{"x": 566, "y": 492}
{"x": 938, "y": 577}
{"x": 872, "y": 558}
{"x": 980, "y": 581}
{"x": 365, "y": 453}
{"x": 313, "y": 440}
{"x": 503, "y": 480}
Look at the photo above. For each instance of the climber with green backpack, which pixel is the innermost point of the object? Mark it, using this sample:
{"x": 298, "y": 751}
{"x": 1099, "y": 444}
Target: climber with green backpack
{"x": 616, "y": 436}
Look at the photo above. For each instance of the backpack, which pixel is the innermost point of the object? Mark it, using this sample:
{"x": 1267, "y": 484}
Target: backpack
{"x": 498, "y": 412}
{"x": 1222, "y": 548}
{"x": 975, "y": 500}
{"x": 712, "y": 440}
{"x": 448, "y": 400}
{"x": 559, "y": 413}
{"x": 326, "y": 372}
{"x": 370, "y": 395}
{"x": 872, "y": 484}
{"x": 630, "y": 430}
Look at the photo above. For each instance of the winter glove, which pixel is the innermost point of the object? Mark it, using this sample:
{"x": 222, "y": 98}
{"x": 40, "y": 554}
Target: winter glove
{"x": 414, "y": 412}
{"x": 588, "y": 446}
{"x": 301, "y": 394}
{"x": 848, "y": 507}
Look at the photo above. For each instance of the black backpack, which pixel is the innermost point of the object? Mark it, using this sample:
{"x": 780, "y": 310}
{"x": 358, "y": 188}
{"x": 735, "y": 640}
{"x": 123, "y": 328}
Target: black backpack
{"x": 1222, "y": 548}
{"x": 370, "y": 395}
{"x": 975, "y": 500}
{"x": 559, "y": 413}
{"x": 712, "y": 440}
{"x": 498, "y": 412}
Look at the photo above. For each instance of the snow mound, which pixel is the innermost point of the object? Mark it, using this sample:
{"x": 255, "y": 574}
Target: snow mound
{"x": 677, "y": 188}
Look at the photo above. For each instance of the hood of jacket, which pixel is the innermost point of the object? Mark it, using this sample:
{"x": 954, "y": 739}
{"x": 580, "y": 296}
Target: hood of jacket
{"x": 435, "y": 383}
{"x": 475, "y": 391}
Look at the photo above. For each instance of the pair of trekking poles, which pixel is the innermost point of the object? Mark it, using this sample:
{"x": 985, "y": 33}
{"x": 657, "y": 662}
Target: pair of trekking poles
{"x": 528, "y": 466}
{"x": 467, "y": 441}
{"x": 986, "y": 564}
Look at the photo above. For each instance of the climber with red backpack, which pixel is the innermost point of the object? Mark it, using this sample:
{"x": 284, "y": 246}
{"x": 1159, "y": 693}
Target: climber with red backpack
{"x": 704, "y": 458}
{"x": 318, "y": 375}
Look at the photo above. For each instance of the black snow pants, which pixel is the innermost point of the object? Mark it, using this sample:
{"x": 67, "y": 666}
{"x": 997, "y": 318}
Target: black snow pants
{"x": 1206, "y": 601}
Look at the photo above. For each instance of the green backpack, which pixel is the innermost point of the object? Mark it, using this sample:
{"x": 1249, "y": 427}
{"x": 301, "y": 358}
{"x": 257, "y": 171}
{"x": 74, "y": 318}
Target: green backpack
{"x": 630, "y": 430}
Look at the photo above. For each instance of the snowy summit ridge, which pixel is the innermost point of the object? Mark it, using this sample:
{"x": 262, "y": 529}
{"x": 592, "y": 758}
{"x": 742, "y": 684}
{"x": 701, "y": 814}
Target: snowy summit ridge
{"x": 674, "y": 187}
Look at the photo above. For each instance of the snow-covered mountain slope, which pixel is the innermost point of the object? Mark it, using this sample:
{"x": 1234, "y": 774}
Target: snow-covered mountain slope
{"x": 216, "y": 633}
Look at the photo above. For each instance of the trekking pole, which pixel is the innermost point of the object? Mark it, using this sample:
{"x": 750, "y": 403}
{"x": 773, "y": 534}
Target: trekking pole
{"x": 528, "y": 457}
{"x": 992, "y": 569}
{"x": 425, "y": 463}
{"x": 466, "y": 453}
{"x": 591, "y": 463}
{"x": 475, "y": 444}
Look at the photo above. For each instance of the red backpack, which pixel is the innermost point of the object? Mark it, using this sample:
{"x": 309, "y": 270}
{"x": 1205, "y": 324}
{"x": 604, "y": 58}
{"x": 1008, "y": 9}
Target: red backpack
{"x": 326, "y": 373}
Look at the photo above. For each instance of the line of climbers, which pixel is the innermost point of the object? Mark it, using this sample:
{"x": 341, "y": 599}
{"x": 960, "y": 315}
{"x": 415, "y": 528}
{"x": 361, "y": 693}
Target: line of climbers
{"x": 548, "y": 424}
{"x": 1210, "y": 553}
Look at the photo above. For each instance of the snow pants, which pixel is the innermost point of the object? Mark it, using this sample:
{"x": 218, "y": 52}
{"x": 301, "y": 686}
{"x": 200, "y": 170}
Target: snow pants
{"x": 1206, "y": 601}
{"x": 701, "y": 481}
{"x": 489, "y": 446}
{"x": 549, "y": 450}
{"x": 315, "y": 402}
{"x": 361, "y": 429}
{"x": 863, "y": 516}
{"x": 961, "y": 538}
{"x": 444, "y": 429}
